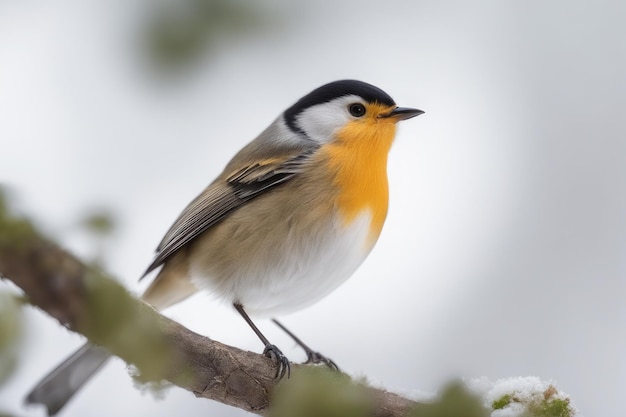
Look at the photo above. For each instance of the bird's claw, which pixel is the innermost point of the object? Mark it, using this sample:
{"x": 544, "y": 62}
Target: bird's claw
{"x": 317, "y": 358}
{"x": 282, "y": 363}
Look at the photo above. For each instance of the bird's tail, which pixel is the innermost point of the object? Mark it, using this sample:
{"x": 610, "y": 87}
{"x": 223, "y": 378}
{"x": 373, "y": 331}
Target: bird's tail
{"x": 170, "y": 286}
{"x": 66, "y": 379}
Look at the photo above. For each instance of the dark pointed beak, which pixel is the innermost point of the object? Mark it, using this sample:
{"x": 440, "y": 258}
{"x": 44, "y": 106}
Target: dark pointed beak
{"x": 402, "y": 113}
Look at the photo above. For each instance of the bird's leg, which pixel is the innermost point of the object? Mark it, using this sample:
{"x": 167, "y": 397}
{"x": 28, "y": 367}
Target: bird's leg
{"x": 271, "y": 351}
{"x": 312, "y": 356}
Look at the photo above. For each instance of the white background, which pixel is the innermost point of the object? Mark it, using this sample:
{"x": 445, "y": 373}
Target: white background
{"x": 504, "y": 252}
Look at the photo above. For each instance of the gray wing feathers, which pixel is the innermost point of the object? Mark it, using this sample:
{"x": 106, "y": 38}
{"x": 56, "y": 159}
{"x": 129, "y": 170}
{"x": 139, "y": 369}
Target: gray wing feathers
{"x": 221, "y": 197}
{"x": 62, "y": 383}
{"x": 254, "y": 179}
{"x": 206, "y": 210}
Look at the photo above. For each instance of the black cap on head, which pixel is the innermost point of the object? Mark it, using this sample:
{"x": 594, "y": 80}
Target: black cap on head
{"x": 331, "y": 91}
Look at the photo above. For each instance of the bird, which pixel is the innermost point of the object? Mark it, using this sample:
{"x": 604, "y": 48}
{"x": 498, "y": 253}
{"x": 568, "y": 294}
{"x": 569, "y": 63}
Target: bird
{"x": 290, "y": 218}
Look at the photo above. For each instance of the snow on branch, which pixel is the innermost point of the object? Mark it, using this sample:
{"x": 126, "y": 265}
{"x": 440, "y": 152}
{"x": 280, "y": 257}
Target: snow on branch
{"x": 87, "y": 301}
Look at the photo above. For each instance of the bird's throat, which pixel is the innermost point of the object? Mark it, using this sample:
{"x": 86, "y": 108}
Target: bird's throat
{"x": 358, "y": 161}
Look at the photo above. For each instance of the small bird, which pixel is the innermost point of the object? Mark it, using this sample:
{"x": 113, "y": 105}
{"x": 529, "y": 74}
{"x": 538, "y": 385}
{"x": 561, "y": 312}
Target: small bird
{"x": 290, "y": 218}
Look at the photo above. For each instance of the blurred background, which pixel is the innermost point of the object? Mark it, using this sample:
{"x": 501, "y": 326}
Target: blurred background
{"x": 504, "y": 252}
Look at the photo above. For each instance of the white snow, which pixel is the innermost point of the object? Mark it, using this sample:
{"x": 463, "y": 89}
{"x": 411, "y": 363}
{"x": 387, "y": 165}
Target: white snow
{"x": 525, "y": 393}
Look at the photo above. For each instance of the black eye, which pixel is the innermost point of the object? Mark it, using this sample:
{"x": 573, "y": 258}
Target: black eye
{"x": 357, "y": 109}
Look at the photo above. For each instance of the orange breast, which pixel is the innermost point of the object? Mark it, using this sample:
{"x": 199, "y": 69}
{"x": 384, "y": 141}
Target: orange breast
{"x": 358, "y": 161}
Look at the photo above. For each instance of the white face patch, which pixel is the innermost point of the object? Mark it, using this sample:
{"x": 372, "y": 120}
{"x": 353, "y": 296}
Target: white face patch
{"x": 321, "y": 122}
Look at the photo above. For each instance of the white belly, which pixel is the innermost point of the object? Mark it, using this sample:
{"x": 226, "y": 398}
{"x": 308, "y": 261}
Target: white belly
{"x": 301, "y": 270}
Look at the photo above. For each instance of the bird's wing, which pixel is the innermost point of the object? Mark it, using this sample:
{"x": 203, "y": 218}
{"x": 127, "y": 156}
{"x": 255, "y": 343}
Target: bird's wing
{"x": 223, "y": 196}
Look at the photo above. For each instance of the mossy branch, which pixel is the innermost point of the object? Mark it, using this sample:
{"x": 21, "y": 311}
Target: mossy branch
{"x": 89, "y": 302}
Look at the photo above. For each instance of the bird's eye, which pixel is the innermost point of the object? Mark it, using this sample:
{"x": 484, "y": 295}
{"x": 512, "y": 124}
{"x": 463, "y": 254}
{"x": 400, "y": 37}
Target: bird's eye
{"x": 357, "y": 109}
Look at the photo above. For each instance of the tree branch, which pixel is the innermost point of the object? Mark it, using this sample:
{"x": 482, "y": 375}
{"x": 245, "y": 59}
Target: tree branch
{"x": 89, "y": 302}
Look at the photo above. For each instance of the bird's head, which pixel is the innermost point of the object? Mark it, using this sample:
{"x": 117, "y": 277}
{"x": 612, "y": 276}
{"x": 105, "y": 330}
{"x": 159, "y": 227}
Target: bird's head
{"x": 346, "y": 110}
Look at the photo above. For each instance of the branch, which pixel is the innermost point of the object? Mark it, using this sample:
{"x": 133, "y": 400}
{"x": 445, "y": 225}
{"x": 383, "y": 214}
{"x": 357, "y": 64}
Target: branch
{"x": 89, "y": 302}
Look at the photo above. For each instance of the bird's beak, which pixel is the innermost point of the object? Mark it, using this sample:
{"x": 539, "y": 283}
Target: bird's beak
{"x": 401, "y": 113}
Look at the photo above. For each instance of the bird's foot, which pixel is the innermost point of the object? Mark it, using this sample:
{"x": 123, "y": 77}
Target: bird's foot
{"x": 317, "y": 358}
{"x": 282, "y": 363}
